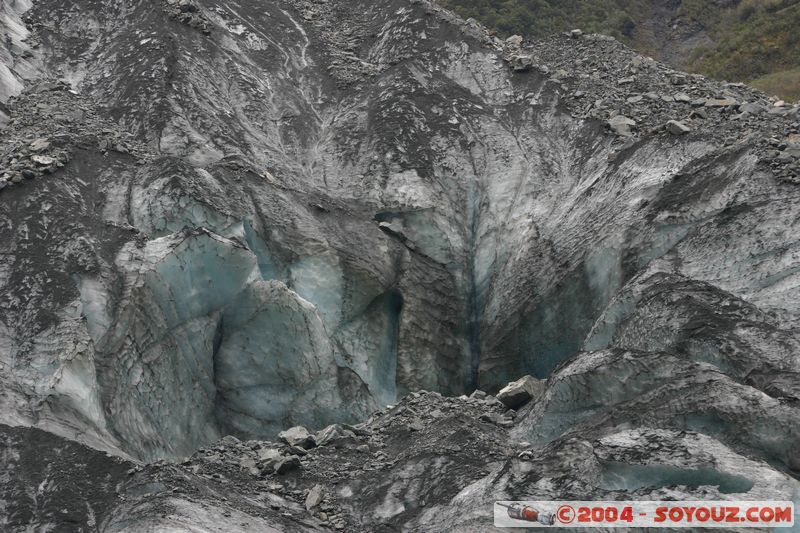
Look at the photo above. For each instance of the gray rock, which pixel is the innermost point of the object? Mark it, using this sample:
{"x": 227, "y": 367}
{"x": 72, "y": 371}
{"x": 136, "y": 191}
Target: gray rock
{"x": 521, "y": 62}
{"x": 186, "y": 6}
{"x": 314, "y": 497}
{"x": 268, "y": 454}
{"x": 40, "y": 145}
{"x": 791, "y": 151}
{"x": 752, "y": 108}
{"x": 356, "y": 430}
{"x": 416, "y": 425}
{"x": 248, "y": 463}
{"x": 287, "y": 464}
{"x": 720, "y": 102}
{"x": 676, "y": 127}
{"x": 212, "y": 458}
{"x": 297, "y": 436}
{"x": 621, "y": 125}
{"x": 43, "y": 160}
{"x": 576, "y": 33}
{"x": 328, "y": 434}
{"x": 515, "y": 41}
{"x": 297, "y": 450}
{"x": 230, "y": 440}
{"x": 518, "y": 393}
{"x": 683, "y": 98}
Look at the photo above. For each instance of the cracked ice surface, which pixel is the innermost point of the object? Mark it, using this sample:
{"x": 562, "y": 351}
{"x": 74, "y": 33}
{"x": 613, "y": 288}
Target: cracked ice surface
{"x": 157, "y": 362}
{"x": 275, "y": 366}
{"x": 204, "y": 346}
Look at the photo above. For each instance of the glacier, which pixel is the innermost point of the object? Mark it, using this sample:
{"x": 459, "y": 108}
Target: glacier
{"x": 268, "y": 214}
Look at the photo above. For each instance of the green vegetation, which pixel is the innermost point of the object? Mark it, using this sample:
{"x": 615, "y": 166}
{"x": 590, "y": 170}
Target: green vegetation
{"x": 759, "y": 39}
{"x": 756, "y": 41}
{"x": 541, "y": 17}
{"x": 786, "y": 83}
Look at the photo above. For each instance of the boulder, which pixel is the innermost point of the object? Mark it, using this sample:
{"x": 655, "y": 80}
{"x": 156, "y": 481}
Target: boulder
{"x": 621, "y": 125}
{"x": 720, "y": 102}
{"x": 520, "y": 62}
{"x": 249, "y": 464}
{"x": 752, "y": 108}
{"x": 327, "y": 435}
{"x": 297, "y": 436}
{"x": 187, "y": 7}
{"x": 518, "y": 393}
{"x": 514, "y": 40}
{"x": 297, "y": 450}
{"x": 356, "y": 430}
{"x": 678, "y": 79}
{"x": 230, "y": 440}
{"x": 268, "y": 454}
{"x": 416, "y": 425}
{"x": 791, "y": 152}
{"x": 287, "y": 464}
{"x": 677, "y": 128}
{"x": 40, "y": 145}
{"x": 314, "y": 497}
{"x": 42, "y": 160}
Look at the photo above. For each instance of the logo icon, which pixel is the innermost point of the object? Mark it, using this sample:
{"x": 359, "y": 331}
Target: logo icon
{"x": 565, "y": 514}
{"x": 527, "y": 513}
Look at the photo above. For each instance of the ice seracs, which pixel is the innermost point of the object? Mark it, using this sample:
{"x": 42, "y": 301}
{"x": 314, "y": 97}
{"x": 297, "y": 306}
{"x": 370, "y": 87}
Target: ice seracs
{"x": 298, "y": 223}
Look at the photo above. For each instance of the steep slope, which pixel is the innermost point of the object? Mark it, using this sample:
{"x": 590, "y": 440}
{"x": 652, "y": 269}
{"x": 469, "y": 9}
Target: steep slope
{"x": 234, "y": 217}
{"x": 739, "y": 40}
